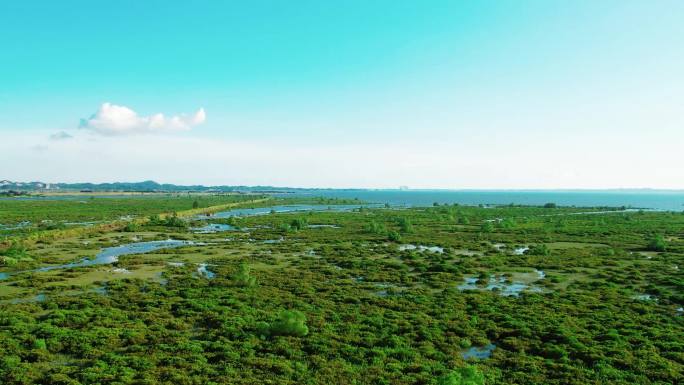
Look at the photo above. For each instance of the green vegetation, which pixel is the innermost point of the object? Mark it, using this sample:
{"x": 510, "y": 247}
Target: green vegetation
{"x": 405, "y": 225}
{"x": 289, "y": 323}
{"x": 243, "y": 277}
{"x": 487, "y": 227}
{"x": 298, "y": 224}
{"x": 540, "y": 249}
{"x": 376, "y": 228}
{"x": 168, "y": 221}
{"x": 11, "y": 253}
{"x": 464, "y": 376}
{"x": 372, "y": 296}
{"x": 131, "y": 227}
{"x": 394, "y": 236}
{"x": 657, "y": 243}
{"x": 48, "y": 214}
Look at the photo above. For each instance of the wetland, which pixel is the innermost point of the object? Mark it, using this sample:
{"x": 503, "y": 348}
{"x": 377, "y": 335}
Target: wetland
{"x": 254, "y": 289}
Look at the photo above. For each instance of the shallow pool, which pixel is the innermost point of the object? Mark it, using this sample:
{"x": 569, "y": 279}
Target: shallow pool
{"x": 478, "y": 352}
{"x": 110, "y": 255}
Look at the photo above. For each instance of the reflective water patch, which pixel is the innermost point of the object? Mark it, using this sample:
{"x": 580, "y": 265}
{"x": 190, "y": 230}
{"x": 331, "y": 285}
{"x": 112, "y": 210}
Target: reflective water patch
{"x": 432, "y": 249}
{"x": 478, "y": 352}
{"x": 213, "y": 228}
{"x": 203, "y": 271}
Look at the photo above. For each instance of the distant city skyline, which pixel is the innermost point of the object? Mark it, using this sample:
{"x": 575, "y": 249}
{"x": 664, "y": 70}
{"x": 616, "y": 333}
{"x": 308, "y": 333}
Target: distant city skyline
{"x": 438, "y": 94}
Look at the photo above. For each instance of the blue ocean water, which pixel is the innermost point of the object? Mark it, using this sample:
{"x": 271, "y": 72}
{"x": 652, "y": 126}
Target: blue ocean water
{"x": 647, "y": 199}
{"x": 670, "y": 200}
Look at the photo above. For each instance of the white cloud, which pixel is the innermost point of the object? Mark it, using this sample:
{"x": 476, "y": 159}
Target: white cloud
{"x": 114, "y": 120}
{"x": 60, "y": 136}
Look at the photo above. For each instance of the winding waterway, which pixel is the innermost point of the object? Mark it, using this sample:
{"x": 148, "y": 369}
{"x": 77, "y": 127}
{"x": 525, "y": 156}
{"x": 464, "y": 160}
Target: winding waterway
{"x": 109, "y": 255}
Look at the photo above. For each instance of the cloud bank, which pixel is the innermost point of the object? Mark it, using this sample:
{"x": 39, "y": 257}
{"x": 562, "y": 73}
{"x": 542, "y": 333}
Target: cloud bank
{"x": 434, "y": 163}
{"x": 114, "y": 120}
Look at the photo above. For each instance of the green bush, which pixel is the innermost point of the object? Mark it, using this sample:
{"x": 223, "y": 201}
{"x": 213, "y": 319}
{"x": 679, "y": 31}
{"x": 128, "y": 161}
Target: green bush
{"x": 263, "y": 329}
{"x": 541, "y": 249}
{"x": 7, "y": 261}
{"x": 298, "y": 224}
{"x": 375, "y": 228}
{"x": 468, "y": 375}
{"x": 130, "y": 227}
{"x": 169, "y": 221}
{"x": 405, "y": 225}
{"x": 289, "y": 323}
{"x": 508, "y": 224}
{"x": 657, "y": 243}
{"x": 39, "y": 344}
{"x": 174, "y": 221}
{"x": 15, "y": 250}
{"x": 487, "y": 227}
{"x": 394, "y": 236}
{"x": 243, "y": 278}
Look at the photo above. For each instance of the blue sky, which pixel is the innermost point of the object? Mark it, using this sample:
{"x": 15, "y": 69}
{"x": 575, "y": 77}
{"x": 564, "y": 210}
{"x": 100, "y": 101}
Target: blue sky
{"x": 444, "y": 94}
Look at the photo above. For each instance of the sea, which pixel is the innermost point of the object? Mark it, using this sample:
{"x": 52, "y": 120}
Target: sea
{"x": 666, "y": 200}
